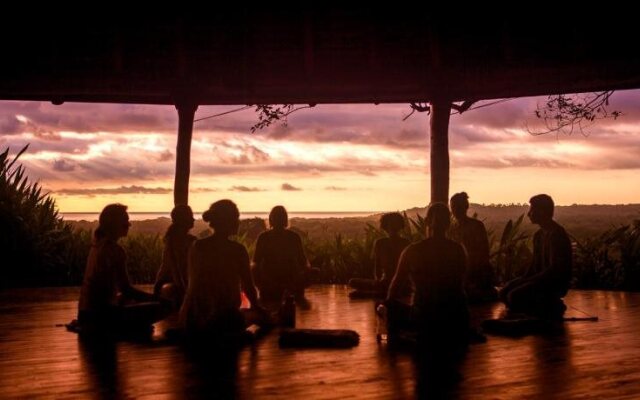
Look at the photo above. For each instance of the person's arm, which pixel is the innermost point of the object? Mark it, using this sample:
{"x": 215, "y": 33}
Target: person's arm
{"x": 401, "y": 275}
{"x": 258, "y": 253}
{"x": 560, "y": 261}
{"x": 484, "y": 245}
{"x": 302, "y": 261}
{"x": 377, "y": 264}
{"x": 165, "y": 270}
{"x": 536, "y": 260}
{"x": 461, "y": 261}
{"x": 122, "y": 277}
{"x": 192, "y": 264}
{"x": 246, "y": 279}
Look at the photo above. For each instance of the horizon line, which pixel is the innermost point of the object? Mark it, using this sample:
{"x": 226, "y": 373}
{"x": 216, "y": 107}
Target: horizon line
{"x": 368, "y": 211}
{"x": 241, "y": 212}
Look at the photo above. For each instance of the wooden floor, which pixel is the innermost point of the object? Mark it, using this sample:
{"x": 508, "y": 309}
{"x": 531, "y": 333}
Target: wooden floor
{"x": 38, "y": 358}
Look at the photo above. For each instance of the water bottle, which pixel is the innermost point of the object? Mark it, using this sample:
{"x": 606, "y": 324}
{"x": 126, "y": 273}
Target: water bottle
{"x": 288, "y": 312}
{"x": 244, "y": 301}
{"x": 381, "y": 327}
{"x": 253, "y": 331}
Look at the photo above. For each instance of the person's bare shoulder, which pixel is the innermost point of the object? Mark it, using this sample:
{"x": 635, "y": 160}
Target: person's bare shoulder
{"x": 238, "y": 248}
{"x": 293, "y": 235}
{"x": 477, "y": 225}
{"x": 414, "y": 249}
{"x": 113, "y": 250}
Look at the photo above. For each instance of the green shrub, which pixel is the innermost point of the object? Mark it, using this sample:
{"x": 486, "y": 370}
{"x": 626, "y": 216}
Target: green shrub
{"x": 610, "y": 260}
{"x": 34, "y": 239}
{"x": 511, "y": 255}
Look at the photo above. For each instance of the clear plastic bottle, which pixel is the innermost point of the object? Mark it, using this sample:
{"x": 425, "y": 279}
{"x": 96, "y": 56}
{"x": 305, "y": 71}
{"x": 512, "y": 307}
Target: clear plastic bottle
{"x": 288, "y": 312}
{"x": 253, "y": 330}
{"x": 381, "y": 324}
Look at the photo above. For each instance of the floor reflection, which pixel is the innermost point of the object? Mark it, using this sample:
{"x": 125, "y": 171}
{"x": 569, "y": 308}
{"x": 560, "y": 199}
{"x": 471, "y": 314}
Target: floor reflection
{"x": 584, "y": 359}
{"x": 99, "y": 360}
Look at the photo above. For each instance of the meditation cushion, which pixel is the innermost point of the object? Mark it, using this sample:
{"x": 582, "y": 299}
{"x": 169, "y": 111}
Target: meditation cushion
{"x": 324, "y": 338}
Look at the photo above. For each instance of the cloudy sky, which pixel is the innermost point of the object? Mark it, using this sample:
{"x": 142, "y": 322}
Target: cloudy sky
{"x": 327, "y": 158}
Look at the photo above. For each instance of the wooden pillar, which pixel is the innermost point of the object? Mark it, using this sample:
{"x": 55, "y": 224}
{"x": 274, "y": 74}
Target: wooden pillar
{"x": 440, "y": 112}
{"x": 186, "y": 111}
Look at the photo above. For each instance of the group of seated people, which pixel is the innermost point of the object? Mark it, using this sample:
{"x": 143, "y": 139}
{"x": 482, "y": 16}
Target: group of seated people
{"x": 203, "y": 279}
{"x": 442, "y": 288}
{"x": 469, "y": 232}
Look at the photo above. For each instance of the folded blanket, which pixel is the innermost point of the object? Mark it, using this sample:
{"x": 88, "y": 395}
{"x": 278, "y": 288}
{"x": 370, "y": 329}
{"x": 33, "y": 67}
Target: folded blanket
{"x": 325, "y": 338}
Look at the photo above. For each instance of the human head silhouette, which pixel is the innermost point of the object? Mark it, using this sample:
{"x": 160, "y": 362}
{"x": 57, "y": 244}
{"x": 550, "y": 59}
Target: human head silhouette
{"x": 459, "y": 204}
{"x": 392, "y": 222}
{"x": 113, "y": 222}
{"x": 541, "y": 209}
{"x": 278, "y": 217}
{"x": 438, "y": 219}
{"x": 182, "y": 216}
{"x": 223, "y": 216}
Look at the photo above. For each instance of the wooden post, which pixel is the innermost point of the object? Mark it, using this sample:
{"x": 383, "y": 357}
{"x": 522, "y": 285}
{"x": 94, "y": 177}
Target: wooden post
{"x": 440, "y": 112}
{"x": 186, "y": 111}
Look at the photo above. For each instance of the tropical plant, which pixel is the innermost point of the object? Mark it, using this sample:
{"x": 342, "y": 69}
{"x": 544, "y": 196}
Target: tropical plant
{"x": 144, "y": 255}
{"x": 610, "y": 260}
{"x": 34, "y": 239}
{"x": 511, "y": 255}
{"x": 417, "y": 228}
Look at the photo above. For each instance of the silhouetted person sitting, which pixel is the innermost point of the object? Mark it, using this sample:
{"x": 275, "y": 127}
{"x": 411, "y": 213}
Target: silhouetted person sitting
{"x": 386, "y": 253}
{"x": 107, "y": 298}
{"x": 171, "y": 281}
{"x": 218, "y": 270}
{"x": 472, "y": 235}
{"x": 436, "y": 266}
{"x": 540, "y": 290}
{"x": 279, "y": 262}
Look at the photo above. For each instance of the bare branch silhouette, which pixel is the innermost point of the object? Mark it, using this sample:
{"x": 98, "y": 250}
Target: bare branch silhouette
{"x": 564, "y": 113}
{"x": 270, "y": 113}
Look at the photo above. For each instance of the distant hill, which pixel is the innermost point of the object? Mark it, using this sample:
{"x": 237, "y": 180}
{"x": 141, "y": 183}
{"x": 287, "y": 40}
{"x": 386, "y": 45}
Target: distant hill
{"x": 579, "y": 220}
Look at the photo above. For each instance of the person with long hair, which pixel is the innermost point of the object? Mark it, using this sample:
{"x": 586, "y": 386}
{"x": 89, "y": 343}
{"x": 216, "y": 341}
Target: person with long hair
{"x": 171, "y": 282}
{"x": 107, "y": 297}
{"x": 218, "y": 271}
{"x": 279, "y": 263}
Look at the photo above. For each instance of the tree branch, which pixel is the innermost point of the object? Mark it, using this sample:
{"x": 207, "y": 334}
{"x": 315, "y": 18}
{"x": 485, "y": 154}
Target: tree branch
{"x": 563, "y": 113}
{"x": 271, "y": 113}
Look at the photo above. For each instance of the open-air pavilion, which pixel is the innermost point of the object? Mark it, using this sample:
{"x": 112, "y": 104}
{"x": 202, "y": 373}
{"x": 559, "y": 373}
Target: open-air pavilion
{"x": 312, "y": 56}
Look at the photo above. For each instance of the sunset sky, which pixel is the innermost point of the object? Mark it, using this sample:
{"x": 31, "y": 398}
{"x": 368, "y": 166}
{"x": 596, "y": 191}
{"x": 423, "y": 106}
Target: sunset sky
{"x": 328, "y": 158}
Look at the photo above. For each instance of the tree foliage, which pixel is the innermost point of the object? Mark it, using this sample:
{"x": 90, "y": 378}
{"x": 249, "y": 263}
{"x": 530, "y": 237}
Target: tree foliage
{"x": 568, "y": 112}
{"x": 37, "y": 246}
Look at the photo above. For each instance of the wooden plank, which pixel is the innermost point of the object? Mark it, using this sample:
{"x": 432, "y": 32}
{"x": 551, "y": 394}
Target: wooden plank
{"x": 584, "y": 360}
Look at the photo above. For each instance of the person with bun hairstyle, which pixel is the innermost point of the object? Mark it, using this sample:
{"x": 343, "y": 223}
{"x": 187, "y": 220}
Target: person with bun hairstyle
{"x": 218, "y": 271}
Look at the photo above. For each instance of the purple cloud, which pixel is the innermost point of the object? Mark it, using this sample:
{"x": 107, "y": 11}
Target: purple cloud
{"x": 134, "y": 189}
{"x": 289, "y": 188}
{"x": 165, "y": 156}
{"x": 245, "y": 189}
{"x": 63, "y": 165}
